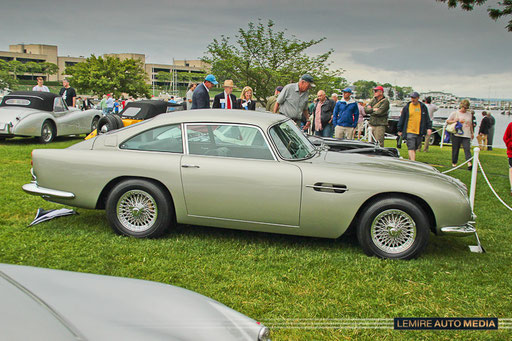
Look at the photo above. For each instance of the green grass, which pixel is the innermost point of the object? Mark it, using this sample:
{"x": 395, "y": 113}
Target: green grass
{"x": 269, "y": 277}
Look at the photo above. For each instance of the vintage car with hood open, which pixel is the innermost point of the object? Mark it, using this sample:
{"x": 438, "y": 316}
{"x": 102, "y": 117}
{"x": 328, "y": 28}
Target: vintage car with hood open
{"x": 251, "y": 171}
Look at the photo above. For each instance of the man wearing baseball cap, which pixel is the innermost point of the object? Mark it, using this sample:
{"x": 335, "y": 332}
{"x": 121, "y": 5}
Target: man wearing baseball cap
{"x": 414, "y": 123}
{"x": 293, "y": 100}
{"x": 346, "y": 116}
{"x": 201, "y": 95}
{"x": 378, "y": 109}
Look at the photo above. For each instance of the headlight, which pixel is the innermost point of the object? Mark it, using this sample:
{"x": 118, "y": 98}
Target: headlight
{"x": 264, "y": 334}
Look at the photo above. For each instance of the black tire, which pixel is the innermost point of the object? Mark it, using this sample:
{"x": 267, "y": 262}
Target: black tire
{"x": 395, "y": 228}
{"x": 48, "y": 132}
{"x": 152, "y": 217}
{"x": 435, "y": 139}
{"x": 94, "y": 123}
{"x": 119, "y": 121}
{"x": 108, "y": 123}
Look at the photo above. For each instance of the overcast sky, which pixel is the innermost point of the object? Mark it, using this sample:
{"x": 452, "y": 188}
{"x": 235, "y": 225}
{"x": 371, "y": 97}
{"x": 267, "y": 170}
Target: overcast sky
{"x": 420, "y": 43}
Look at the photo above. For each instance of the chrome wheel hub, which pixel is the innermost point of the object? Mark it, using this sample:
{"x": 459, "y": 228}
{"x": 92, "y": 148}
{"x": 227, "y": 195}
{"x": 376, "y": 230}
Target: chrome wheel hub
{"x": 137, "y": 210}
{"x": 393, "y": 231}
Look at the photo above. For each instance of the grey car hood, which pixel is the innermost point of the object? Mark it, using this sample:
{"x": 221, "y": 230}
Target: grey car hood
{"x": 112, "y": 308}
{"x": 15, "y": 114}
{"x": 381, "y": 163}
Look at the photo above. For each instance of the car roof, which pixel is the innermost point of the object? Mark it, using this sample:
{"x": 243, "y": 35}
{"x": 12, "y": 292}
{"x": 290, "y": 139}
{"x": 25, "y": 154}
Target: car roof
{"x": 38, "y": 99}
{"x": 149, "y": 108}
{"x": 262, "y": 119}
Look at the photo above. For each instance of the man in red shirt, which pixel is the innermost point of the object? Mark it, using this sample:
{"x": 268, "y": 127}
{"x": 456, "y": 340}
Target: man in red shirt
{"x": 508, "y": 142}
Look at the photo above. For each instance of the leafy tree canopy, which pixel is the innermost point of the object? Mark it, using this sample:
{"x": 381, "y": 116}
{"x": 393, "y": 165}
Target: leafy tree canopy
{"x": 495, "y": 13}
{"x": 263, "y": 58}
{"x": 102, "y": 75}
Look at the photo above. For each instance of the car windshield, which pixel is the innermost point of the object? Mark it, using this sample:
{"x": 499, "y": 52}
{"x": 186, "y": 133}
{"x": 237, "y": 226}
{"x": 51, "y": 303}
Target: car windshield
{"x": 291, "y": 142}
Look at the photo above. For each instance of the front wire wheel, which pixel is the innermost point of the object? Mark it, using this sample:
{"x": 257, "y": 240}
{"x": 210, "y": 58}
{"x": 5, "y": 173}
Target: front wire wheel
{"x": 393, "y": 231}
{"x": 396, "y": 228}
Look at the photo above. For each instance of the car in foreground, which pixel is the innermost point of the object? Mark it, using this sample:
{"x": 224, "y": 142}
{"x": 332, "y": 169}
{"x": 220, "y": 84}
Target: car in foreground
{"x": 44, "y": 115}
{"x": 250, "y": 171}
{"x": 45, "y": 304}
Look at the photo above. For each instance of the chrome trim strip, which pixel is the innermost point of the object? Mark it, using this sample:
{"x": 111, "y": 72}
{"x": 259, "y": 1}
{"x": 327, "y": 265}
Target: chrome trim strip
{"x": 34, "y": 189}
{"x": 242, "y": 221}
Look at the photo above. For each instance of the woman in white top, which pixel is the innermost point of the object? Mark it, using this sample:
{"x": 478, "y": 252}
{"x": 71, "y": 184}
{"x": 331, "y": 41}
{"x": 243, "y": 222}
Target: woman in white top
{"x": 463, "y": 115}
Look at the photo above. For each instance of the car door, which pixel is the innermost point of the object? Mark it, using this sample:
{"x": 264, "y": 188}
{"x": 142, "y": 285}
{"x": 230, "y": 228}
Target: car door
{"x": 60, "y": 111}
{"x": 229, "y": 172}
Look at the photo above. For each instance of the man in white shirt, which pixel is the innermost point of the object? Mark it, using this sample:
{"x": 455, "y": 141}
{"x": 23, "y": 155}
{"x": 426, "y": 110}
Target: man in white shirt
{"x": 40, "y": 86}
{"x": 190, "y": 92}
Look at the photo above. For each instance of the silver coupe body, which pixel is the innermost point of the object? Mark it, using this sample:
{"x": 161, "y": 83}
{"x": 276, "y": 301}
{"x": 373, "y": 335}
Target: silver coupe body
{"x": 250, "y": 171}
{"x": 44, "y": 115}
{"x": 44, "y": 304}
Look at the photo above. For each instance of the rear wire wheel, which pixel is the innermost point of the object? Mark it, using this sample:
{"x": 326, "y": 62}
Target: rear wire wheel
{"x": 139, "y": 208}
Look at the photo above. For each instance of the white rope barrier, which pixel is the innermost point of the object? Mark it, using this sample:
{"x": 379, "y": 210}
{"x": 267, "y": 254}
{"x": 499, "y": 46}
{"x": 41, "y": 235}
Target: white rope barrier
{"x": 457, "y": 167}
{"x": 490, "y": 186}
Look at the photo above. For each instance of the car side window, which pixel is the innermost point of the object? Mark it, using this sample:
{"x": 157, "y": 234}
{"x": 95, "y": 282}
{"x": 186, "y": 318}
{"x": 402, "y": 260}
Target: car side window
{"x": 58, "y": 105}
{"x": 161, "y": 139}
{"x": 228, "y": 140}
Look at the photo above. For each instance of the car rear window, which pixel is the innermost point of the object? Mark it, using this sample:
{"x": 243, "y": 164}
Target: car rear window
{"x": 17, "y": 101}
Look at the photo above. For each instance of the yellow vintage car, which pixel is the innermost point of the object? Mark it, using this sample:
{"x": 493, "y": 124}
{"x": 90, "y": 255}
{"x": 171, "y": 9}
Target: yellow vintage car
{"x": 133, "y": 112}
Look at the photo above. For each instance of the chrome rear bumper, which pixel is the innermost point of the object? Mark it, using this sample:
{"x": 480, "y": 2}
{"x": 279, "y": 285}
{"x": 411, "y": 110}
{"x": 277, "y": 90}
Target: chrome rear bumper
{"x": 34, "y": 189}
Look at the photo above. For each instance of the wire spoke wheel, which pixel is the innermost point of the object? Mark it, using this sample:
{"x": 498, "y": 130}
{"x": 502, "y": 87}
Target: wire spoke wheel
{"x": 393, "y": 231}
{"x": 137, "y": 210}
{"x": 47, "y": 133}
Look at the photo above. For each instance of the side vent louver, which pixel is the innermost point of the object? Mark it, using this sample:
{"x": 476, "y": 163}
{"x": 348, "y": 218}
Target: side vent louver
{"x": 327, "y": 187}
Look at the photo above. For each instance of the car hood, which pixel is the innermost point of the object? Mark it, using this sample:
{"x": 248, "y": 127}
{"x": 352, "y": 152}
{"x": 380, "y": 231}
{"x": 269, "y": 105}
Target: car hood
{"x": 111, "y": 308}
{"x": 377, "y": 163}
{"x": 15, "y": 114}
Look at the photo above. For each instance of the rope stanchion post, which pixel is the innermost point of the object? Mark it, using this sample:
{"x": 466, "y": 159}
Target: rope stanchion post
{"x": 442, "y": 136}
{"x": 472, "y": 191}
{"x": 474, "y": 171}
{"x": 370, "y": 134}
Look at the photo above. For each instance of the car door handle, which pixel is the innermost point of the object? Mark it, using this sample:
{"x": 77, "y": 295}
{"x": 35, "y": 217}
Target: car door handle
{"x": 189, "y": 166}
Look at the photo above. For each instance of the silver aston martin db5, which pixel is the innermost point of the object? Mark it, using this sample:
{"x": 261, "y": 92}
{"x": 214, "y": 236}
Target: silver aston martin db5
{"x": 44, "y": 115}
{"x": 46, "y": 304}
{"x": 251, "y": 171}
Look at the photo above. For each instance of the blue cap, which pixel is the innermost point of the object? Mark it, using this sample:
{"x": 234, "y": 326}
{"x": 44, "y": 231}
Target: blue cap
{"x": 414, "y": 94}
{"x": 211, "y": 79}
{"x": 347, "y": 90}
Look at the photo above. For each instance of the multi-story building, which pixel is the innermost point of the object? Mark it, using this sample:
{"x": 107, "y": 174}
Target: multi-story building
{"x": 49, "y": 53}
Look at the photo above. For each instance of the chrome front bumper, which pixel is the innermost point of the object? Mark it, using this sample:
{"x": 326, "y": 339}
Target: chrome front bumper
{"x": 34, "y": 189}
{"x": 461, "y": 231}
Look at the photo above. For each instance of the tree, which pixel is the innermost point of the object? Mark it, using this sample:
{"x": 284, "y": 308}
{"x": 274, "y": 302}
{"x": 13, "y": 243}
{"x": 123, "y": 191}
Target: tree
{"x": 494, "y": 13}
{"x": 364, "y": 88}
{"x": 263, "y": 59}
{"x": 49, "y": 69}
{"x": 102, "y": 75}
{"x": 33, "y": 67}
{"x": 7, "y": 81}
{"x": 16, "y": 67}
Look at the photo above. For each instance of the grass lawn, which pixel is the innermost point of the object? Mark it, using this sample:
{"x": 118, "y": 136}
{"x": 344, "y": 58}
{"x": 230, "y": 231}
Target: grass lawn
{"x": 273, "y": 277}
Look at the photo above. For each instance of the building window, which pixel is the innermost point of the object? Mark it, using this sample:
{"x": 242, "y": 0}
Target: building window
{"x": 68, "y": 64}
